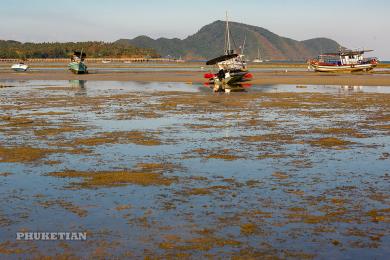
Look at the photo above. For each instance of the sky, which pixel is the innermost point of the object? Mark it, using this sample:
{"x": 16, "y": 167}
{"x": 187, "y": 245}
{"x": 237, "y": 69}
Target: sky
{"x": 352, "y": 23}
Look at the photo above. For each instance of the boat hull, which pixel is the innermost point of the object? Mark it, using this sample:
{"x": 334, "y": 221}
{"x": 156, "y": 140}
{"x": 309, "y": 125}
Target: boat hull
{"x": 231, "y": 78}
{"x": 342, "y": 68}
{"x": 19, "y": 67}
{"x": 78, "y": 68}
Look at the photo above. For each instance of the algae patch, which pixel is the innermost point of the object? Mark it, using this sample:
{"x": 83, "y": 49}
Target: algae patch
{"x": 135, "y": 137}
{"x": 330, "y": 142}
{"x": 65, "y": 205}
{"x": 22, "y": 154}
{"x": 115, "y": 178}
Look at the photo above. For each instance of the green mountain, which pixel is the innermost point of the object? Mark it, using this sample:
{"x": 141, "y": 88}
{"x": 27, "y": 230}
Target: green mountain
{"x": 208, "y": 42}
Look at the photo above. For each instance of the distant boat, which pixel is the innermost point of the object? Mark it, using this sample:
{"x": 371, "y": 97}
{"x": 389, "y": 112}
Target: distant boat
{"x": 258, "y": 60}
{"x": 179, "y": 60}
{"x": 76, "y": 64}
{"x": 106, "y": 61}
{"x": 19, "y": 66}
{"x": 343, "y": 61}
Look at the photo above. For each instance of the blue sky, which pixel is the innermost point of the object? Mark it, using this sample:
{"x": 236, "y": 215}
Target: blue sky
{"x": 354, "y": 24}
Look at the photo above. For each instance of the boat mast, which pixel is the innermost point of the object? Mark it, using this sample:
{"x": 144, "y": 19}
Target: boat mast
{"x": 228, "y": 46}
{"x": 243, "y": 46}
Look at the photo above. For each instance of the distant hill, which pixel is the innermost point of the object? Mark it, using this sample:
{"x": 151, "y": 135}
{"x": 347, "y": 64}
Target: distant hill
{"x": 18, "y": 50}
{"x": 208, "y": 42}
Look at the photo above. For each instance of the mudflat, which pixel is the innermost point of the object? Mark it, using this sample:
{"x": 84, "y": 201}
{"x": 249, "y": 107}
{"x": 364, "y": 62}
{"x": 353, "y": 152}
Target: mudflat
{"x": 172, "y": 170}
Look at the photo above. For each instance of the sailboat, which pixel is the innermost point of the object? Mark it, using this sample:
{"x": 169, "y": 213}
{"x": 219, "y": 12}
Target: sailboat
{"x": 258, "y": 60}
{"x": 179, "y": 60}
{"x": 231, "y": 66}
{"x": 76, "y": 64}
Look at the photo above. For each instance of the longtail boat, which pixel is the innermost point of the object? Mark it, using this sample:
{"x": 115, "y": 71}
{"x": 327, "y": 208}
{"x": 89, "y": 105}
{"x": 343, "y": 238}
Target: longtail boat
{"x": 343, "y": 61}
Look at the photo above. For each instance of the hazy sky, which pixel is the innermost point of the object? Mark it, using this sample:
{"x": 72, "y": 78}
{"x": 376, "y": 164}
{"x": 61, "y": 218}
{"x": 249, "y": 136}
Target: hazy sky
{"x": 353, "y": 23}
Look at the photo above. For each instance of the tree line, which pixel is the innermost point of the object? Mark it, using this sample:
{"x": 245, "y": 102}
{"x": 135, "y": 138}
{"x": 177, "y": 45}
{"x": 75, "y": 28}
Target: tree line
{"x": 93, "y": 49}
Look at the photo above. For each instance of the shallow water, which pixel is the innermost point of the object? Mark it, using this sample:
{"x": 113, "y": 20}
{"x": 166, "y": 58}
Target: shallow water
{"x": 185, "y": 87}
{"x": 280, "y": 171}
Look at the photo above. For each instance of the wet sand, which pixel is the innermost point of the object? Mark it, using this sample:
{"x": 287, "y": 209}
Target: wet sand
{"x": 263, "y": 78}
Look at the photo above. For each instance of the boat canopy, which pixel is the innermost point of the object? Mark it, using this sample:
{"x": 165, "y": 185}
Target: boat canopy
{"x": 80, "y": 54}
{"x": 221, "y": 58}
{"x": 347, "y": 53}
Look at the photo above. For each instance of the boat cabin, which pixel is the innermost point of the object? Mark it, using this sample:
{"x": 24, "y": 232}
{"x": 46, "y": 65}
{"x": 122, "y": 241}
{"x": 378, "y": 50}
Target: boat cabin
{"x": 342, "y": 58}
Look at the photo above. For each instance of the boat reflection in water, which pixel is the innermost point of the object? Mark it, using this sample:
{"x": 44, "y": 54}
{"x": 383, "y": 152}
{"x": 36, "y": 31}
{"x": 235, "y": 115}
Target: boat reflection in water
{"x": 352, "y": 88}
{"x": 80, "y": 85}
{"x": 228, "y": 88}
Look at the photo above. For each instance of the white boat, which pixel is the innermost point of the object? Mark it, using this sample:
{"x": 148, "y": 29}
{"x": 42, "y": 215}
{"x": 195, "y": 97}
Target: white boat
{"x": 180, "y": 60}
{"x": 258, "y": 60}
{"x": 343, "y": 61}
{"x": 19, "y": 67}
{"x": 106, "y": 61}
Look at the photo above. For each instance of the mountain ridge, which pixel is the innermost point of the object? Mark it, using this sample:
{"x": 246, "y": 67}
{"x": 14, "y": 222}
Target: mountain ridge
{"x": 208, "y": 42}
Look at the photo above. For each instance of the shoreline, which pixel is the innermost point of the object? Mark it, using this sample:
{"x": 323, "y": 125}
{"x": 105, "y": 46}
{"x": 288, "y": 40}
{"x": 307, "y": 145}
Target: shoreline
{"x": 259, "y": 78}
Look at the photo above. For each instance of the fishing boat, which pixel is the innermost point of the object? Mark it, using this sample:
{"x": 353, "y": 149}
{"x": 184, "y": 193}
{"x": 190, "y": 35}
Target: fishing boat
{"x": 343, "y": 61}
{"x": 231, "y": 66}
{"x": 76, "y": 64}
{"x": 258, "y": 59}
{"x": 19, "y": 66}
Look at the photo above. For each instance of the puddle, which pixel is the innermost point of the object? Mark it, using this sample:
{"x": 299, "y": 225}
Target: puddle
{"x": 176, "y": 170}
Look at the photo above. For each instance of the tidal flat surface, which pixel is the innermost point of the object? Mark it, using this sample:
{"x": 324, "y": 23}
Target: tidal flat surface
{"x": 176, "y": 170}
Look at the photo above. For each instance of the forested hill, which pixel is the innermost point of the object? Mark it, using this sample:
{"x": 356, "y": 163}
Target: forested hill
{"x": 18, "y": 50}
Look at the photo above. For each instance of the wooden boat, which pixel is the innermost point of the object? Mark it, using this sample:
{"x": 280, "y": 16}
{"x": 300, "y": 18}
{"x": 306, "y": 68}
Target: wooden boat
{"x": 19, "y": 66}
{"x": 231, "y": 66}
{"x": 76, "y": 64}
{"x": 343, "y": 61}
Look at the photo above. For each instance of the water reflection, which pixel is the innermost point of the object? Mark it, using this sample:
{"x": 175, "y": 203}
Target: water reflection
{"x": 229, "y": 88}
{"x": 352, "y": 88}
{"x": 80, "y": 85}
{"x": 96, "y": 86}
